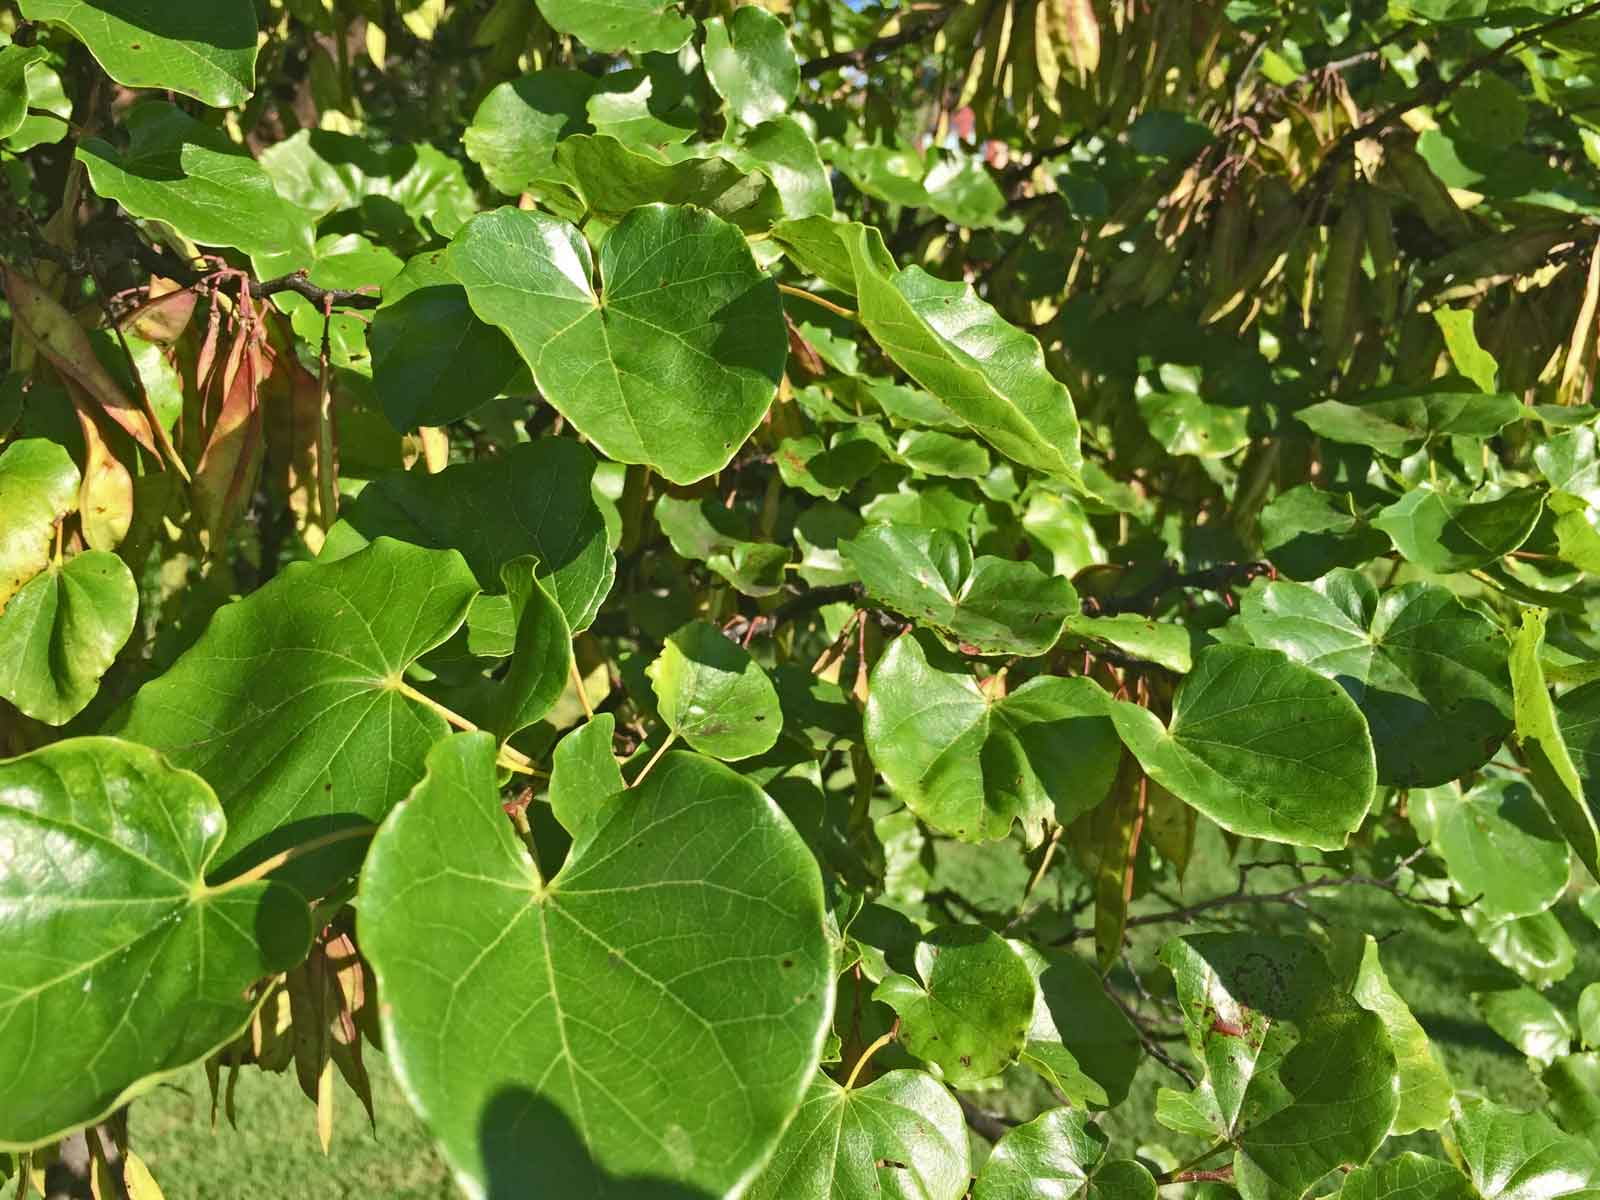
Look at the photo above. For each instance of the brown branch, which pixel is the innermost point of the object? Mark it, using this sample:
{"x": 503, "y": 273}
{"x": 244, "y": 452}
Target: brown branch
{"x": 1219, "y": 578}
{"x": 862, "y": 55}
{"x": 988, "y": 1125}
{"x": 1215, "y": 1175}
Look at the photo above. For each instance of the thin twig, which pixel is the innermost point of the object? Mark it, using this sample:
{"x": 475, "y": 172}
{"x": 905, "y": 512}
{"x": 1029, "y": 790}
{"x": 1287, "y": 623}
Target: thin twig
{"x": 875, "y": 49}
{"x": 802, "y": 294}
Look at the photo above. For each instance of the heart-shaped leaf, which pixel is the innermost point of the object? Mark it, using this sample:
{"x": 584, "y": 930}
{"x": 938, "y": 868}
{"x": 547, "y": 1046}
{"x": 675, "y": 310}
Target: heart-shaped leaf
{"x": 901, "y": 1135}
{"x": 536, "y": 498}
{"x": 1446, "y": 533}
{"x": 1060, "y": 1155}
{"x": 970, "y": 1012}
{"x": 705, "y": 531}
{"x": 1080, "y": 1041}
{"x": 122, "y": 963}
{"x": 980, "y": 606}
{"x": 514, "y": 133}
{"x": 969, "y": 762}
{"x": 1513, "y": 1155}
{"x": 1528, "y": 1020}
{"x": 202, "y": 48}
{"x": 1398, "y": 425}
{"x": 38, "y": 486}
{"x": 785, "y": 153}
{"x": 60, "y": 633}
{"x": 293, "y": 705}
{"x": 1427, "y": 672}
{"x": 584, "y": 773}
{"x": 1308, "y": 532}
{"x": 1283, "y": 1047}
{"x": 1263, "y": 746}
{"x": 671, "y": 360}
{"x": 711, "y": 693}
{"x": 613, "y": 179}
{"x": 609, "y": 1013}
{"x": 190, "y": 176}
{"x": 1500, "y": 847}
{"x": 751, "y": 64}
{"x": 1426, "y": 1093}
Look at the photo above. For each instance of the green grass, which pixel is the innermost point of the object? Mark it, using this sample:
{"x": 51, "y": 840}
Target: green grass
{"x": 274, "y": 1152}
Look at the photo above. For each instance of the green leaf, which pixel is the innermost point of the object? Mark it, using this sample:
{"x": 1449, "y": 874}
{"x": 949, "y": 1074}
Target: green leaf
{"x": 1527, "y": 1020}
{"x": 325, "y": 172}
{"x": 38, "y": 486}
{"x": 14, "y": 63}
{"x": 1428, "y": 673}
{"x": 1307, "y": 533}
{"x": 610, "y": 1013}
{"x": 969, "y": 1015}
{"x": 1552, "y": 766}
{"x": 1062, "y": 1156}
{"x": 1407, "y": 1176}
{"x": 1570, "y": 463}
{"x": 901, "y": 1135}
{"x": 711, "y": 693}
{"x": 1471, "y": 359}
{"x": 1398, "y": 425}
{"x": 533, "y": 498}
{"x": 1141, "y": 637}
{"x": 1444, "y": 533}
{"x": 828, "y": 472}
{"x": 541, "y": 658}
{"x": 649, "y": 107}
{"x": 202, "y": 48}
{"x": 705, "y": 531}
{"x": 122, "y": 964}
{"x": 751, "y": 64}
{"x": 1574, "y": 1086}
{"x": 433, "y": 360}
{"x": 60, "y": 633}
{"x": 614, "y": 179}
{"x": 969, "y": 762}
{"x": 619, "y": 24}
{"x": 672, "y": 364}
{"x": 783, "y": 151}
{"x": 1523, "y": 1156}
{"x": 1284, "y": 1049}
{"x": 988, "y": 372}
{"x": 933, "y": 453}
{"x": 1499, "y": 846}
{"x": 584, "y": 774}
{"x": 1426, "y": 1093}
{"x": 1589, "y": 1015}
{"x": 514, "y": 133}
{"x": 1263, "y": 746}
{"x": 1537, "y": 948}
{"x": 46, "y": 94}
{"x": 290, "y": 704}
{"x": 985, "y": 605}
{"x": 1080, "y": 1042}
{"x": 190, "y": 176}
{"x": 1184, "y": 424}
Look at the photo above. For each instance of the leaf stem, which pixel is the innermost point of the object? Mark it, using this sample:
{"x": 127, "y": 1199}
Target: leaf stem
{"x": 654, "y": 758}
{"x": 509, "y": 757}
{"x": 802, "y": 294}
{"x": 583, "y": 692}
{"x": 267, "y": 866}
{"x": 855, "y": 1071}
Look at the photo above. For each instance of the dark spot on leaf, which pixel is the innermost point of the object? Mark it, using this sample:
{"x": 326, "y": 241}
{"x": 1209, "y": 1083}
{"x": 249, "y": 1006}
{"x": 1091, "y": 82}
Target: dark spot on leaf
{"x": 788, "y": 962}
{"x": 966, "y": 1060}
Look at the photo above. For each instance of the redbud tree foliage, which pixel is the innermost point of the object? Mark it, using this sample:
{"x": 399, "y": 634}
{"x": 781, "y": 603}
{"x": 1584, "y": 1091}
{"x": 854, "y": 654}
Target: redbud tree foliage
{"x": 801, "y": 599}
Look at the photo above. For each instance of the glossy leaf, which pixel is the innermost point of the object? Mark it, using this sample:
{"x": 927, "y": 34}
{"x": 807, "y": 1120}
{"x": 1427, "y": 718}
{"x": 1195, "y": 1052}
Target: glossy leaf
{"x": 751, "y": 64}
{"x": 971, "y": 763}
{"x": 190, "y": 176}
{"x": 123, "y": 964}
{"x": 14, "y": 63}
{"x": 613, "y": 179}
{"x": 672, "y": 364}
{"x": 1263, "y": 746}
{"x": 1445, "y": 533}
{"x": 980, "y": 606}
{"x": 1527, "y": 1020}
{"x": 1428, "y": 673}
{"x": 969, "y": 1011}
{"x": 514, "y": 133}
{"x": 620, "y": 24}
{"x": 711, "y": 693}
{"x": 536, "y": 499}
{"x": 38, "y": 486}
{"x": 1501, "y": 849}
{"x": 60, "y": 633}
{"x": 1059, "y": 1154}
{"x": 1523, "y": 1156}
{"x": 1426, "y": 1092}
{"x": 1410, "y": 1176}
{"x": 1299, "y": 1077}
{"x": 1399, "y": 425}
{"x": 290, "y": 707}
{"x": 900, "y": 1135}
{"x": 202, "y": 48}
{"x": 609, "y": 1010}
{"x": 584, "y": 774}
